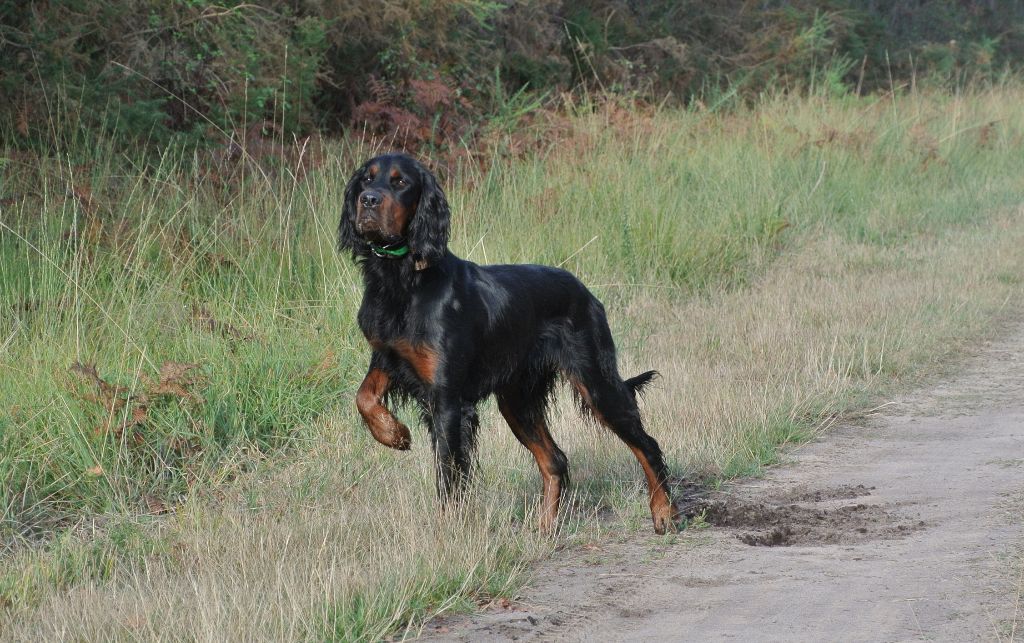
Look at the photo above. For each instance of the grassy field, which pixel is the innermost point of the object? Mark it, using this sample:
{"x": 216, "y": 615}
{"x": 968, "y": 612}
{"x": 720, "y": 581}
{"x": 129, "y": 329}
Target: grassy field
{"x": 180, "y": 455}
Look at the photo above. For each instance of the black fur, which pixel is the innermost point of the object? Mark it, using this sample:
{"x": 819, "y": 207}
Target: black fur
{"x": 448, "y": 333}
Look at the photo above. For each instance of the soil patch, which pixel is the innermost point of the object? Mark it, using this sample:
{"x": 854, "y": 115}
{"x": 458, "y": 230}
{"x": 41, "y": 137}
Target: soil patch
{"x": 767, "y": 524}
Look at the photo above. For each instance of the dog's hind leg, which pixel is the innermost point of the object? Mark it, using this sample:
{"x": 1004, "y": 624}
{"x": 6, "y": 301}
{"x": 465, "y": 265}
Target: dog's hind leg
{"x": 613, "y": 403}
{"x": 523, "y": 410}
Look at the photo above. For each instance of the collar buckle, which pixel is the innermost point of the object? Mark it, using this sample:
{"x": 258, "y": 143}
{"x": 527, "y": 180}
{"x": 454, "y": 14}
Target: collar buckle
{"x": 395, "y": 250}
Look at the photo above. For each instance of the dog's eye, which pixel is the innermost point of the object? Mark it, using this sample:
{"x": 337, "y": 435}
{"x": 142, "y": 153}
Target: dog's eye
{"x": 400, "y": 182}
{"x": 367, "y": 178}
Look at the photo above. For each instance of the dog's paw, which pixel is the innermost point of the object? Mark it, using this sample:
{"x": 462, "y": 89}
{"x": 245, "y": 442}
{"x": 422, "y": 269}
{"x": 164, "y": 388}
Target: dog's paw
{"x": 664, "y": 520}
{"x": 399, "y": 437}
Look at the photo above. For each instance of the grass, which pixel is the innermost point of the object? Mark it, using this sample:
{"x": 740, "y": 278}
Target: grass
{"x": 179, "y": 452}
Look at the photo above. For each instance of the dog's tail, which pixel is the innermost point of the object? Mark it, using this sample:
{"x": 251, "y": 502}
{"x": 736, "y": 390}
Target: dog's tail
{"x": 639, "y": 383}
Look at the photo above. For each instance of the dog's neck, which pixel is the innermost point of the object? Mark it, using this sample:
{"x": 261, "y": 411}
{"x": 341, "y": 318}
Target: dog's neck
{"x": 392, "y": 278}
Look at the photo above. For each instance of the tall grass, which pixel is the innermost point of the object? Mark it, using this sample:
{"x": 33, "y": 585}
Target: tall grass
{"x": 778, "y": 265}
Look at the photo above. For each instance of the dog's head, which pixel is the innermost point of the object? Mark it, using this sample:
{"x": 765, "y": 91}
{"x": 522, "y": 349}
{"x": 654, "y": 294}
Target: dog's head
{"x": 395, "y": 209}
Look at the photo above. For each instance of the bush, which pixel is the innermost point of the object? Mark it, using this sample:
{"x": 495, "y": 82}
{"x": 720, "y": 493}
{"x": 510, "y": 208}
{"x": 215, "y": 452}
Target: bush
{"x": 428, "y": 74}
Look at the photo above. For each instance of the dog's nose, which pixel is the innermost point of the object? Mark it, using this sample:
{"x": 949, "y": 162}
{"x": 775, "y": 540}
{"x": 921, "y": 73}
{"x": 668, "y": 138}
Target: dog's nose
{"x": 370, "y": 199}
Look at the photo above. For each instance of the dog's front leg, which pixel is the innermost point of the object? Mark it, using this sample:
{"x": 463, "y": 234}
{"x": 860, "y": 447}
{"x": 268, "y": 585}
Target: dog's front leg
{"x": 384, "y": 426}
{"x": 452, "y": 448}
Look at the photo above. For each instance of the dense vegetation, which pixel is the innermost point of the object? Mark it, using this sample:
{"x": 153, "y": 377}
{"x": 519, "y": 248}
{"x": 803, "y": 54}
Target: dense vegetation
{"x": 433, "y": 74}
{"x": 179, "y": 354}
{"x": 831, "y": 208}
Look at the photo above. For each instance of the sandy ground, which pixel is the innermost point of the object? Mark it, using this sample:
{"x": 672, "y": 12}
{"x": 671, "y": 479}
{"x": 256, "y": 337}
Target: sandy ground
{"x": 907, "y": 526}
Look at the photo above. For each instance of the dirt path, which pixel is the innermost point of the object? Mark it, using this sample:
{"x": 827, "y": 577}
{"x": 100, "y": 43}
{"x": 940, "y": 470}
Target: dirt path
{"x": 909, "y": 526}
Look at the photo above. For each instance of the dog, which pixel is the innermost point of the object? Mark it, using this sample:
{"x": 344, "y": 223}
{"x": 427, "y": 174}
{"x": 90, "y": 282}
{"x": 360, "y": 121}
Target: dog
{"x": 448, "y": 333}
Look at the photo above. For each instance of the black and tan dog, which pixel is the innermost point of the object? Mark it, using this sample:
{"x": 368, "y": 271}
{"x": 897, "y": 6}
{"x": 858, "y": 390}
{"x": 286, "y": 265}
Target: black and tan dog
{"x": 448, "y": 333}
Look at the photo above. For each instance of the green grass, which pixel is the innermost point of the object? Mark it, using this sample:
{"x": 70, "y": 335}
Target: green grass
{"x": 779, "y": 265}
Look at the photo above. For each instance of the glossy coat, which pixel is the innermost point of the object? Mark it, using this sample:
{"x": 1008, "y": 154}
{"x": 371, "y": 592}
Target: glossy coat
{"x": 448, "y": 333}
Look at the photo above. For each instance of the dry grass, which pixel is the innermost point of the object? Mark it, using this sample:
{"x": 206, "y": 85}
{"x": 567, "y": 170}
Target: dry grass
{"x": 786, "y": 266}
{"x": 304, "y": 552}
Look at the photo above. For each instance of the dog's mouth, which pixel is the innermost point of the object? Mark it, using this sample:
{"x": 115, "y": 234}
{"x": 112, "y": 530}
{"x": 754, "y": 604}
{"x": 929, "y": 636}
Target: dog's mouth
{"x": 380, "y": 225}
{"x": 376, "y": 236}
{"x": 369, "y": 227}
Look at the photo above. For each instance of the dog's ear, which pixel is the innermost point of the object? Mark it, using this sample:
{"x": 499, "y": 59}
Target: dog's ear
{"x": 428, "y": 232}
{"x": 347, "y": 237}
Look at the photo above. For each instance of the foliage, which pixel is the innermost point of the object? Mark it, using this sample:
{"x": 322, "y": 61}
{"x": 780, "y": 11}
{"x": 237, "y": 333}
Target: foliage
{"x": 174, "y": 328}
{"x": 179, "y": 450}
{"x": 165, "y": 322}
{"x": 421, "y": 74}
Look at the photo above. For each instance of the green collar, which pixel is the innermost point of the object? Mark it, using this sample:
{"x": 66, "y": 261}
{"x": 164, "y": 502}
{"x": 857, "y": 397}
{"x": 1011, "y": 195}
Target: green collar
{"x": 388, "y": 251}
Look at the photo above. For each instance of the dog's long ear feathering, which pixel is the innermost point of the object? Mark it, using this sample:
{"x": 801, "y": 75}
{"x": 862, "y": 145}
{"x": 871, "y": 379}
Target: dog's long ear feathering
{"x": 428, "y": 232}
{"x": 347, "y": 237}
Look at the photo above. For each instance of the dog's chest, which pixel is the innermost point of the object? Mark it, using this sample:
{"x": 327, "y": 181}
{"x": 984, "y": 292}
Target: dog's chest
{"x": 421, "y": 357}
{"x": 399, "y": 328}
{"x": 393, "y": 336}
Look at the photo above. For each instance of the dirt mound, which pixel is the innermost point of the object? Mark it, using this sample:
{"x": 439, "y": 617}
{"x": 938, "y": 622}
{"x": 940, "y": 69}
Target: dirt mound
{"x": 807, "y": 519}
{"x": 842, "y": 492}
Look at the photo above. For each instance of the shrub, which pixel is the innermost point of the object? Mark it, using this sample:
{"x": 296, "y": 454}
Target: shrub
{"x": 428, "y": 74}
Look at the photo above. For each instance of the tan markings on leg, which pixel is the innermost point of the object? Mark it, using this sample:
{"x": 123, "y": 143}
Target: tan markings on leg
{"x": 543, "y": 450}
{"x": 661, "y": 505}
{"x": 422, "y": 358}
{"x": 544, "y": 455}
{"x": 385, "y": 428}
{"x": 585, "y": 394}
